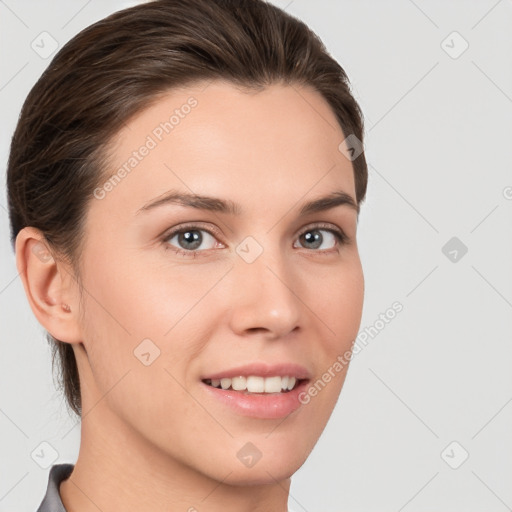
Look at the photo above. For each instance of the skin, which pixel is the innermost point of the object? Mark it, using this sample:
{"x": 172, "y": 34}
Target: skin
{"x": 151, "y": 438}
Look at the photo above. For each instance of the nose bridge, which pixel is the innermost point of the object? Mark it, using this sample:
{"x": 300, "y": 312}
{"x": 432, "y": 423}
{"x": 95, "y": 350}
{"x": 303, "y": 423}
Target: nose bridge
{"x": 265, "y": 296}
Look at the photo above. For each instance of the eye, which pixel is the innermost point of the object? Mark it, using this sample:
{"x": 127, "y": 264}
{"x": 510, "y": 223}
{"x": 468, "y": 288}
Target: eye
{"x": 313, "y": 238}
{"x": 189, "y": 239}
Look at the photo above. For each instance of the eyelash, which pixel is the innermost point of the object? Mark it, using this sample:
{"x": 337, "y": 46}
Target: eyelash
{"x": 340, "y": 236}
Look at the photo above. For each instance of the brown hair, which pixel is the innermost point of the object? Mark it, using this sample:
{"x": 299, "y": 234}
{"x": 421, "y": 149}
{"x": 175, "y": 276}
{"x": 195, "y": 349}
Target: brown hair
{"x": 115, "y": 68}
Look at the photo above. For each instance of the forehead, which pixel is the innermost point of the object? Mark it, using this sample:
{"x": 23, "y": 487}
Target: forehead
{"x": 281, "y": 141}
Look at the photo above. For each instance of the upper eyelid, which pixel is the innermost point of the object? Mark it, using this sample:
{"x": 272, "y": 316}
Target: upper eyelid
{"x": 173, "y": 231}
{"x": 321, "y": 225}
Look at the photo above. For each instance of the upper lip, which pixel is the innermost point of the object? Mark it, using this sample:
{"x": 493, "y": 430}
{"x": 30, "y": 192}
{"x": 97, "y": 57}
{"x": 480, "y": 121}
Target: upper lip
{"x": 262, "y": 370}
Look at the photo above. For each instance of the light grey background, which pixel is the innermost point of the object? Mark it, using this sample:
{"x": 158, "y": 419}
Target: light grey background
{"x": 439, "y": 147}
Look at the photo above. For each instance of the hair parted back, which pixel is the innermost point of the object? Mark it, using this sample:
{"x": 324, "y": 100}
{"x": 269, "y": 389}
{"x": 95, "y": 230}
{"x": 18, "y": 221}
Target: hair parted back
{"x": 114, "y": 69}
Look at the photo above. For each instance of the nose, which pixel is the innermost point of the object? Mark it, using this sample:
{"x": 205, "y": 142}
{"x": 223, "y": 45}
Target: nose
{"x": 264, "y": 298}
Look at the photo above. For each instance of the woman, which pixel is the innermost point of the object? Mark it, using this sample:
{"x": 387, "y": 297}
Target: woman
{"x": 184, "y": 186}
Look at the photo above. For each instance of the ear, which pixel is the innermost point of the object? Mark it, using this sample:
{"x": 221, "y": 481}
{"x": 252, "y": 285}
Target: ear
{"x": 50, "y": 286}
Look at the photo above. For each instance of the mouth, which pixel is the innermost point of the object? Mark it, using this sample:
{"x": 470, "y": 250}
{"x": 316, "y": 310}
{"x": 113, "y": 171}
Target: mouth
{"x": 256, "y": 384}
{"x": 258, "y": 390}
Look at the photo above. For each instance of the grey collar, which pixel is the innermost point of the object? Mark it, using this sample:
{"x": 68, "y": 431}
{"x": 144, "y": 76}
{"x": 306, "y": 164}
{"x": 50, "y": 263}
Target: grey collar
{"x": 52, "y": 501}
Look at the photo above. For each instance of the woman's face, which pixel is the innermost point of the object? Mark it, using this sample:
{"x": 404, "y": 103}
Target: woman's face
{"x": 181, "y": 293}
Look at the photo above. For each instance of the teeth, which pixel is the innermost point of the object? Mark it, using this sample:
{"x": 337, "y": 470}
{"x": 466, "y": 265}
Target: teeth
{"x": 291, "y": 383}
{"x": 238, "y": 383}
{"x": 273, "y": 385}
{"x": 256, "y": 384}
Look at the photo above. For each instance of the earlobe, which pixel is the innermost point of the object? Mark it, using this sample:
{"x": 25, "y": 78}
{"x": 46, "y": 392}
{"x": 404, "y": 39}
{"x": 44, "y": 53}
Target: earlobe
{"x": 49, "y": 286}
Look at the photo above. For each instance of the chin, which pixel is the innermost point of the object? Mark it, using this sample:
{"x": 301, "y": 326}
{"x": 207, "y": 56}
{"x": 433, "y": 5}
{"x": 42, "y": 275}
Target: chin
{"x": 262, "y": 475}
{"x": 275, "y": 464}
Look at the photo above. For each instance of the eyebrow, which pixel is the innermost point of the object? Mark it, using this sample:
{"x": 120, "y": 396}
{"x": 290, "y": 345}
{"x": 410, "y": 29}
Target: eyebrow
{"x": 214, "y": 204}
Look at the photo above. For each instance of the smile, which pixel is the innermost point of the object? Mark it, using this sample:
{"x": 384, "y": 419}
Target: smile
{"x": 255, "y": 384}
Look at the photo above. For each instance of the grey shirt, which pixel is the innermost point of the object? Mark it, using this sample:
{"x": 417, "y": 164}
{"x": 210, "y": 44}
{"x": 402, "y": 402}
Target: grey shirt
{"x": 52, "y": 501}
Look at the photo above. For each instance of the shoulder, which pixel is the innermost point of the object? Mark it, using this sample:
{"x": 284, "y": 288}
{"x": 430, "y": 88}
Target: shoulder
{"x": 52, "y": 501}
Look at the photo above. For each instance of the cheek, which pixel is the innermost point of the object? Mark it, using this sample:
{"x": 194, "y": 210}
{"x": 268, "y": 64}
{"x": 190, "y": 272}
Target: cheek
{"x": 139, "y": 341}
{"x": 137, "y": 297}
{"x": 338, "y": 303}
{"x": 137, "y": 305}
{"x": 349, "y": 307}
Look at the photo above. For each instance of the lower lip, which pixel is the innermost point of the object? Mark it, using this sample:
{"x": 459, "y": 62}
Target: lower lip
{"x": 267, "y": 406}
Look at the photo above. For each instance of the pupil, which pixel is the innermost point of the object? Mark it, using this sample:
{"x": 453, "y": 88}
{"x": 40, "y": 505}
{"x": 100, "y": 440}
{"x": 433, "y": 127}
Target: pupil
{"x": 316, "y": 238}
{"x": 190, "y": 237}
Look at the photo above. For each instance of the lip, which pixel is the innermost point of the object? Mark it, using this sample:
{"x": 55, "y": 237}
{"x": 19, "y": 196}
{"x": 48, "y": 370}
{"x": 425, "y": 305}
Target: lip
{"x": 262, "y": 370}
{"x": 264, "y": 406}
